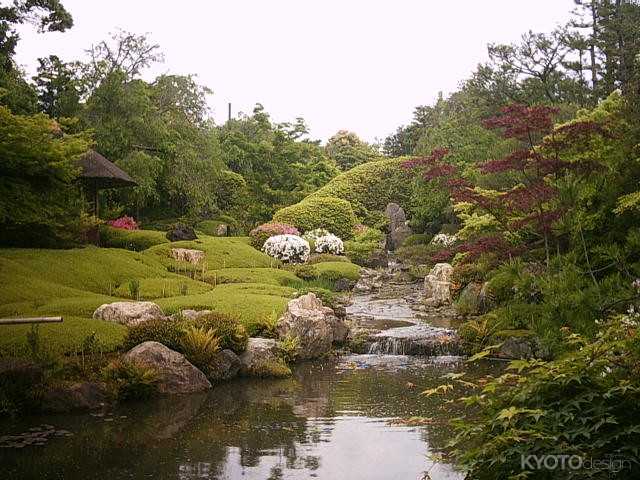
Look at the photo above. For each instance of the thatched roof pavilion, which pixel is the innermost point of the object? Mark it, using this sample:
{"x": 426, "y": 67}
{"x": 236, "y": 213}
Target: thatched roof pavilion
{"x": 98, "y": 173}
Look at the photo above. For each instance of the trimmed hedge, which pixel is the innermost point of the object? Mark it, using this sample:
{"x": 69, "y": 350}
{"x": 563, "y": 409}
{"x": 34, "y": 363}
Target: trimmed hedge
{"x": 136, "y": 240}
{"x": 333, "y": 214}
{"x": 370, "y": 187}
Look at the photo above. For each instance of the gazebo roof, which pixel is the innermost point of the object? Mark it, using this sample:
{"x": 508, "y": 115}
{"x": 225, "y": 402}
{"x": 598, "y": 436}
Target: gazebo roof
{"x": 105, "y": 174}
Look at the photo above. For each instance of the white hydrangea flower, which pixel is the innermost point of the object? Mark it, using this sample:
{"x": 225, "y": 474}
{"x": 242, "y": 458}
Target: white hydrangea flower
{"x": 315, "y": 234}
{"x": 329, "y": 244}
{"x": 444, "y": 240}
{"x": 288, "y": 248}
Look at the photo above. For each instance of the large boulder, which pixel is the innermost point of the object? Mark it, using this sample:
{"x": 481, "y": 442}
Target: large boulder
{"x": 224, "y": 366}
{"x": 262, "y": 358}
{"x": 398, "y": 227}
{"x": 175, "y": 373}
{"x": 315, "y": 326}
{"x": 181, "y": 232}
{"x": 437, "y": 284}
{"x": 194, "y": 257}
{"x": 128, "y": 313}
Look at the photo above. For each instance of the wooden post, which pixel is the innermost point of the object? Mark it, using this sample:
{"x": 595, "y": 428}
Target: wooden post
{"x": 28, "y": 321}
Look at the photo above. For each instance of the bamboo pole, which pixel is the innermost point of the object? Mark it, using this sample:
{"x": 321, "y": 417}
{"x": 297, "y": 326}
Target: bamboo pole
{"x": 27, "y": 321}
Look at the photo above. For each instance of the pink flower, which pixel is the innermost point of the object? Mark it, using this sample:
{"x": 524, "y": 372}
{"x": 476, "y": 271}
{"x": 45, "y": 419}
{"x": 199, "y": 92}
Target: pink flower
{"x": 125, "y": 223}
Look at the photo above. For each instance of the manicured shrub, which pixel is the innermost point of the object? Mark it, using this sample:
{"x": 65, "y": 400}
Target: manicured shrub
{"x": 167, "y": 332}
{"x": 131, "y": 381}
{"x": 136, "y": 240}
{"x": 230, "y": 333}
{"x": 369, "y": 188}
{"x": 260, "y": 234}
{"x": 417, "y": 239}
{"x": 329, "y": 244}
{"x": 325, "y": 257}
{"x": 367, "y": 242}
{"x": 124, "y": 223}
{"x": 330, "y": 213}
{"x": 287, "y": 248}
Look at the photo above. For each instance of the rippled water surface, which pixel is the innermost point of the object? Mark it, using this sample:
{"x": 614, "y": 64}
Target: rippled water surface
{"x": 337, "y": 420}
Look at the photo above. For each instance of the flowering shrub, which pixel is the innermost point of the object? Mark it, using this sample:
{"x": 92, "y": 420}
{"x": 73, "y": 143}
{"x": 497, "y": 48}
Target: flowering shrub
{"x": 329, "y": 244}
{"x": 125, "y": 223}
{"x": 444, "y": 240}
{"x": 315, "y": 234}
{"x": 260, "y": 234}
{"x": 288, "y": 248}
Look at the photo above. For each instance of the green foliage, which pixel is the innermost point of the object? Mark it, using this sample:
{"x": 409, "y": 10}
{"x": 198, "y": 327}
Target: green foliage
{"x": 370, "y": 187}
{"x": 364, "y": 245}
{"x": 228, "y": 330}
{"x": 199, "y": 346}
{"x": 331, "y": 213}
{"x": 417, "y": 239}
{"x": 131, "y": 381}
{"x": 134, "y": 289}
{"x": 268, "y": 276}
{"x": 348, "y": 151}
{"x": 582, "y": 404}
{"x": 167, "y": 332}
{"x": 325, "y": 257}
{"x": 136, "y": 240}
{"x": 39, "y": 203}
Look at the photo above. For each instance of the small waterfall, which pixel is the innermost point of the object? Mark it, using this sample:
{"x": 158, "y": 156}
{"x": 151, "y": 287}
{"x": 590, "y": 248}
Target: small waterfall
{"x": 431, "y": 347}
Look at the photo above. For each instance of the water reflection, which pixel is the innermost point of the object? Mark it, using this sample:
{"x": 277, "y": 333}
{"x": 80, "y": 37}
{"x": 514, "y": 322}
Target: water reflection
{"x": 329, "y": 421}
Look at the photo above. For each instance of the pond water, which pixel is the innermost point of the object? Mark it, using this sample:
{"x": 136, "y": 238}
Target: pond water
{"x": 334, "y": 420}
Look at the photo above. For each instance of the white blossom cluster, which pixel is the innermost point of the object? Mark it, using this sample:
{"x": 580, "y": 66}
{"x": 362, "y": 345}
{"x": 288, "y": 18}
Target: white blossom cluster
{"x": 329, "y": 244}
{"x": 444, "y": 240}
{"x": 288, "y": 248}
{"x": 315, "y": 234}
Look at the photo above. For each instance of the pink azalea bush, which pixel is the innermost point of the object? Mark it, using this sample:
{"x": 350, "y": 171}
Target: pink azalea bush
{"x": 260, "y": 234}
{"x": 125, "y": 223}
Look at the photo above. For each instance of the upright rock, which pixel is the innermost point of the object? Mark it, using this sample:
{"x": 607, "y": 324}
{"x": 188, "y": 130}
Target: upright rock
{"x": 222, "y": 230}
{"x": 128, "y": 313}
{"x": 176, "y": 374}
{"x": 315, "y": 326}
{"x": 437, "y": 285}
{"x": 194, "y": 257}
{"x": 398, "y": 228}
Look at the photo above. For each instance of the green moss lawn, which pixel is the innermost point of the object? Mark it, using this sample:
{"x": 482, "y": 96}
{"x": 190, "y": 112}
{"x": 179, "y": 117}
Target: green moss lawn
{"x": 235, "y": 279}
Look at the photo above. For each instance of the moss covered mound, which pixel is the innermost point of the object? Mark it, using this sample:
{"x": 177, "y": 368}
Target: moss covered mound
{"x": 136, "y": 240}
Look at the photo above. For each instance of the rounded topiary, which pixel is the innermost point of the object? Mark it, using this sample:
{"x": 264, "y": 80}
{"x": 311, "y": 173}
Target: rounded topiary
{"x": 287, "y": 248}
{"x": 329, "y": 244}
{"x": 330, "y": 213}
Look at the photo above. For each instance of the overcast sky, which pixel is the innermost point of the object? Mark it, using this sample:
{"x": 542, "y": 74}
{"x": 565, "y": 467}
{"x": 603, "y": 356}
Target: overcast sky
{"x": 361, "y": 65}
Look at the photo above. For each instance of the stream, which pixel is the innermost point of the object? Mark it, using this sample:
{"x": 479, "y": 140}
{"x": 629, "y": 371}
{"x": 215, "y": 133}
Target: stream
{"x": 347, "y": 418}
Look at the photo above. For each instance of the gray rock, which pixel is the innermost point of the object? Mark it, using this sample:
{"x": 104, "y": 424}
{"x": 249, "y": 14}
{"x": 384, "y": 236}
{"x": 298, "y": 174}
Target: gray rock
{"x": 398, "y": 228}
{"x": 181, "y": 232}
{"x": 176, "y": 374}
{"x": 195, "y": 257}
{"x": 313, "y": 324}
{"x": 225, "y": 366}
{"x": 193, "y": 315}
{"x": 128, "y": 313}
{"x": 343, "y": 285}
{"x": 522, "y": 347}
{"x": 82, "y": 396}
{"x": 222, "y": 230}
{"x": 437, "y": 285}
{"x": 470, "y": 301}
{"x": 262, "y": 359}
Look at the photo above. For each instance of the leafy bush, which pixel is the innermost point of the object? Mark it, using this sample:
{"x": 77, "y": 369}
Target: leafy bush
{"x": 124, "y": 223}
{"x": 260, "y": 234}
{"x": 167, "y": 332}
{"x": 315, "y": 234}
{"x": 329, "y": 244}
{"x": 200, "y": 346}
{"x": 583, "y": 405}
{"x": 366, "y": 242}
{"x": 333, "y": 214}
{"x": 287, "y": 248}
{"x": 331, "y": 271}
{"x": 230, "y": 333}
{"x": 417, "y": 239}
{"x": 131, "y": 381}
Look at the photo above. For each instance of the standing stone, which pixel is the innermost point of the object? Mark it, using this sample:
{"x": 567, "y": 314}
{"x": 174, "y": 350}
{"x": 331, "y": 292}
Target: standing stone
{"x": 315, "y": 326}
{"x": 128, "y": 313}
{"x": 222, "y": 230}
{"x": 181, "y": 232}
{"x": 437, "y": 285}
{"x": 398, "y": 228}
{"x": 175, "y": 373}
